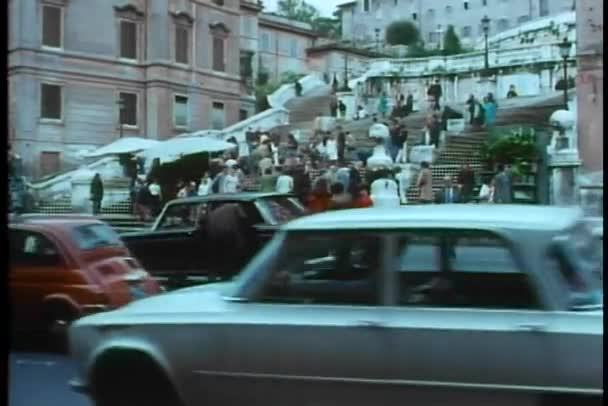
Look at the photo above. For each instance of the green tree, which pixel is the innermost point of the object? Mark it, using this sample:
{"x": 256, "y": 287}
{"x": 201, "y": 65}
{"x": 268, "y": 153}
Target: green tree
{"x": 402, "y": 32}
{"x": 451, "y": 42}
{"x": 298, "y": 10}
{"x": 327, "y": 27}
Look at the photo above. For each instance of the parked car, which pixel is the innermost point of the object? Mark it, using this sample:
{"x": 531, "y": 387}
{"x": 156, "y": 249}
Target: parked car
{"x": 176, "y": 247}
{"x": 65, "y": 267}
{"x": 440, "y": 304}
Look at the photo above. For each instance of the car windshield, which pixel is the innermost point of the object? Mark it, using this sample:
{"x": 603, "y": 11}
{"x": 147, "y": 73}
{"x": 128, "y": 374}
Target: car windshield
{"x": 181, "y": 216}
{"x": 281, "y": 209}
{"x": 95, "y": 236}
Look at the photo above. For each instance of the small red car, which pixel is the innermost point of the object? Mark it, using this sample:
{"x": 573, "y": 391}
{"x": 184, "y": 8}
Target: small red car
{"x": 65, "y": 267}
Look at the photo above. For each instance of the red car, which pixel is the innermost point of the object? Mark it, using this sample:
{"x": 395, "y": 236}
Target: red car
{"x": 65, "y": 267}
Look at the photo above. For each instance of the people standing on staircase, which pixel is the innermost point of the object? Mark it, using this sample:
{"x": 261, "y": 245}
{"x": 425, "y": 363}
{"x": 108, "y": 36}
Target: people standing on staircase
{"x": 331, "y": 148}
{"x": 466, "y": 180}
{"x": 489, "y": 108}
{"x": 333, "y": 105}
{"x": 204, "y": 188}
{"x": 434, "y": 128}
{"x": 96, "y": 193}
{"x": 475, "y": 111}
{"x": 409, "y": 104}
{"x": 340, "y": 199}
{"x": 268, "y": 181}
{"x": 403, "y": 181}
{"x": 448, "y": 193}
{"x": 402, "y": 154}
{"x": 435, "y": 92}
{"x": 142, "y": 199}
{"x": 284, "y": 182}
{"x": 425, "y": 183}
{"x": 383, "y": 105}
{"x": 341, "y": 145}
{"x": 319, "y": 198}
{"x": 502, "y": 186}
{"x": 512, "y": 92}
{"x": 342, "y": 109}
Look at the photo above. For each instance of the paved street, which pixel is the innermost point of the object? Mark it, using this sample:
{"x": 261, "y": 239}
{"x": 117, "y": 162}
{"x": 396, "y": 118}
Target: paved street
{"x": 41, "y": 378}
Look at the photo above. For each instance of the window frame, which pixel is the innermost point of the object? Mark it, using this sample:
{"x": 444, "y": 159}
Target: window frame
{"x": 293, "y": 48}
{"x": 61, "y": 8}
{"x": 49, "y": 120}
{"x": 213, "y": 103}
{"x": 138, "y": 37}
{"x": 23, "y": 233}
{"x": 516, "y": 254}
{"x": 215, "y": 68}
{"x": 365, "y": 3}
{"x": 119, "y": 93}
{"x": 173, "y": 105}
{"x": 181, "y": 26}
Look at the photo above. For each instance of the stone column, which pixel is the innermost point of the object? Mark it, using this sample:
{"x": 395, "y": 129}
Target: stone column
{"x": 564, "y": 161}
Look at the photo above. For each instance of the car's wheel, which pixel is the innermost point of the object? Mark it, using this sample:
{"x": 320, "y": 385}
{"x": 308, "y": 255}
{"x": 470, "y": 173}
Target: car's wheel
{"x": 131, "y": 379}
{"x": 57, "y": 318}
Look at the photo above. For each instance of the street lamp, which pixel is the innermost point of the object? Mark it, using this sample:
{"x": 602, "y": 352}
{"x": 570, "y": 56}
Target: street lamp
{"x": 346, "y": 88}
{"x": 564, "y": 51}
{"x": 485, "y": 26}
{"x": 121, "y": 108}
{"x": 377, "y": 30}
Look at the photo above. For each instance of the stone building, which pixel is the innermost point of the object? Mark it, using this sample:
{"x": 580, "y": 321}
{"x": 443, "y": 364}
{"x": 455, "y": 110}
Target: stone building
{"x": 361, "y": 18}
{"x": 590, "y": 83}
{"x": 282, "y": 45}
{"x": 334, "y": 60}
{"x": 172, "y": 64}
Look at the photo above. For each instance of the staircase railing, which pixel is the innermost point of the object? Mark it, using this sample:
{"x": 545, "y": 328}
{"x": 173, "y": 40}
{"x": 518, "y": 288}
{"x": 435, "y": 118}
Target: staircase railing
{"x": 288, "y": 91}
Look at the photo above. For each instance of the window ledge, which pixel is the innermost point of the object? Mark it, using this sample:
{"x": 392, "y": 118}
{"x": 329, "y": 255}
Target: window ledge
{"x": 129, "y": 61}
{"x": 126, "y": 127}
{"x": 51, "y": 121}
{"x": 181, "y": 127}
{"x": 52, "y": 49}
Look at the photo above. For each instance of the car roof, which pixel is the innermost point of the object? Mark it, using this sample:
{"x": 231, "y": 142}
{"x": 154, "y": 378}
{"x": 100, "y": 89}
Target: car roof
{"x": 542, "y": 218}
{"x": 244, "y": 196}
{"x": 54, "y": 220}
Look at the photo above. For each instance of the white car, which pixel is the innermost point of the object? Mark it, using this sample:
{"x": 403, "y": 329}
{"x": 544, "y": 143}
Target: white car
{"x": 425, "y": 305}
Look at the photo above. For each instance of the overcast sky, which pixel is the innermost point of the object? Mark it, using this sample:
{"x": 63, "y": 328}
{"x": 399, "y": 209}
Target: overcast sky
{"x": 325, "y": 7}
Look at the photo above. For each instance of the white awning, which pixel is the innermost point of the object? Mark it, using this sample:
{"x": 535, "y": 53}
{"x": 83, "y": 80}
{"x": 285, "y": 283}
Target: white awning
{"x": 175, "y": 148}
{"x": 125, "y": 145}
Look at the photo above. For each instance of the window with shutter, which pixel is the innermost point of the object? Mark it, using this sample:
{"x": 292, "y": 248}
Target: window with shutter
{"x": 51, "y": 26}
{"x": 217, "y": 116}
{"x": 180, "y": 111}
{"x": 50, "y": 102}
{"x": 128, "y": 40}
{"x": 128, "y": 113}
{"x": 218, "y": 54}
{"x": 181, "y": 44}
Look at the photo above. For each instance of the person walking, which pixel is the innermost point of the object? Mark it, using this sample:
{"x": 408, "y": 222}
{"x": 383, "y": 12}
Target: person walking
{"x": 449, "y": 193}
{"x": 383, "y": 105}
{"x": 489, "y": 108}
{"x": 342, "y": 109}
{"x": 341, "y": 146}
{"x": 96, "y": 193}
{"x": 466, "y": 180}
{"x": 204, "y": 188}
{"x": 284, "y": 182}
{"x": 512, "y": 92}
{"x": 268, "y": 181}
{"x": 425, "y": 183}
{"x": 486, "y": 193}
{"x": 435, "y": 92}
{"x": 409, "y": 104}
{"x": 502, "y": 186}
{"x": 333, "y": 106}
{"x": 155, "y": 197}
{"x": 230, "y": 181}
{"x": 142, "y": 200}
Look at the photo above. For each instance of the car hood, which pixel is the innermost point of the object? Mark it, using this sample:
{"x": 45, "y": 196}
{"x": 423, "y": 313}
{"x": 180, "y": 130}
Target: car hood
{"x": 182, "y": 302}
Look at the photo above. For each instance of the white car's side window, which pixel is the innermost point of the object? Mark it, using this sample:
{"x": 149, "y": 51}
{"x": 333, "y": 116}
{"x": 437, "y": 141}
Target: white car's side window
{"x": 326, "y": 270}
{"x": 461, "y": 269}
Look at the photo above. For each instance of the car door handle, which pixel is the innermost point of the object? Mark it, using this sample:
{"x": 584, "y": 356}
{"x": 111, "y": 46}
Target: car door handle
{"x": 370, "y": 324}
{"x": 531, "y": 327}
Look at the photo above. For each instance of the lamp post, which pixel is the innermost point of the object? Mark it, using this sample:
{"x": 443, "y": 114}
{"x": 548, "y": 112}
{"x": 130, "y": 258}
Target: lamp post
{"x": 346, "y": 88}
{"x": 377, "y": 30}
{"x": 121, "y": 108}
{"x": 485, "y": 26}
{"x": 564, "y": 51}
{"x": 439, "y": 37}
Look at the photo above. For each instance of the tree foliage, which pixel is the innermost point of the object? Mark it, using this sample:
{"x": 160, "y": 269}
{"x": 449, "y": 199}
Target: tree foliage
{"x": 327, "y": 27}
{"x": 451, "y": 42}
{"x": 298, "y": 10}
{"x": 402, "y": 32}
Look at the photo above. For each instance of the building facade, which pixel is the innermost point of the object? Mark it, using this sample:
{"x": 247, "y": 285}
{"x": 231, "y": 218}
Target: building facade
{"x": 590, "y": 83}
{"x": 337, "y": 61}
{"x": 282, "y": 45}
{"x": 83, "y": 73}
{"x": 365, "y": 21}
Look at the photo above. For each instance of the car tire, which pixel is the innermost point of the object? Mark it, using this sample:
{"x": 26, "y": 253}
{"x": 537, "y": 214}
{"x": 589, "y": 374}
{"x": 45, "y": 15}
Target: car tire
{"x": 127, "y": 379}
{"x": 57, "y": 318}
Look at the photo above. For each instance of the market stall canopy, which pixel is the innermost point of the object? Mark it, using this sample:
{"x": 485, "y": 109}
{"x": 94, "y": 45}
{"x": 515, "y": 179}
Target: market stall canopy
{"x": 125, "y": 145}
{"x": 173, "y": 149}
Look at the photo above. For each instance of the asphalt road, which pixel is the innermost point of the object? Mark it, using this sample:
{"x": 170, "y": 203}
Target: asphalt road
{"x": 41, "y": 378}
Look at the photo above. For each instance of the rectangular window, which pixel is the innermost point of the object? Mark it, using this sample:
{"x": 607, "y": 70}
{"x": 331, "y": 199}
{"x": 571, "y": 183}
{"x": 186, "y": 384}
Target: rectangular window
{"x": 293, "y": 48}
{"x": 466, "y": 5}
{"x": 484, "y": 3}
{"x": 51, "y": 102}
{"x": 128, "y": 40}
{"x": 265, "y": 41}
{"x": 218, "y": 119}
{"x": 466, "y": 31}
{"x": 242, "y": 115}
{"x": 366, "y": 5}
{"x": 181, "y": 44}
{"x": 468, "y": 269}
{"x": 396, "y": 3}
{"x": 51, "y": 26}
{"x": 180, "y": 111}
{"x": 543, "y": 7}
{"x": 218, "y": 54}
{"x": 414, "y": 16}
{"x": 128, "y": 111}
{"x": 49, "y": 162}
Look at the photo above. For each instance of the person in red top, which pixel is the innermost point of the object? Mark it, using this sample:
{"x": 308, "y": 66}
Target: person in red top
{"x": 320, "y": 198}
{"x": 362, "y": 199}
